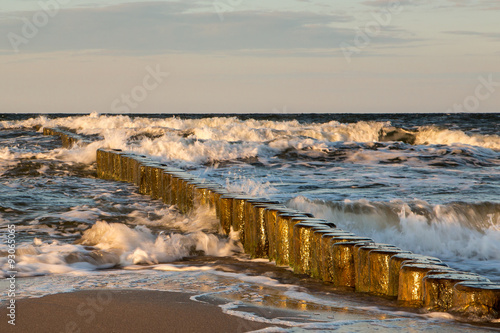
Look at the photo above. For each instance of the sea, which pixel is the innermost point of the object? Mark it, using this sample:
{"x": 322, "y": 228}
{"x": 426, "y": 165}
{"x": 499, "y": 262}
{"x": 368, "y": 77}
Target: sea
{"x": 427, "y": 183}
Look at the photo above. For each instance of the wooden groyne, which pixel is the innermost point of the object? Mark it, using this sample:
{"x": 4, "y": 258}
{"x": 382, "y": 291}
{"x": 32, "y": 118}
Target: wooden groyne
{"x": 311, "y": 246}
{"x": 69, "y": 139}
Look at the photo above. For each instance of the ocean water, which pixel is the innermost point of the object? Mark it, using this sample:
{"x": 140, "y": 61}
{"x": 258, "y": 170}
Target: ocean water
{"x": 428, "y": 183}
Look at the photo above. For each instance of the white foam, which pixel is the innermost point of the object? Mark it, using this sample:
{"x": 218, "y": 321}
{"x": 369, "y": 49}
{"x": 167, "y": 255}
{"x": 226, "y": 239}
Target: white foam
{"x": 6, "y": 159}
{"x": 435, "y": 135}
{"x": 229, "y": 138}
{"x": 201, "y": 219}
{"x": 197, "y": 141}
{"x": 439, "y": 316}
{"x": 114, "y": 244}
{"x": 249, "y": 186}
{"x": 177, "y": 268}
{"x": 206, "y": 139}
{"x": 40, "y": 258}
{"x": 140, "y": 245}
{"x": 270, "y": 330}
{"x": 80, "y": 214}
{"x": 5, "y": 154}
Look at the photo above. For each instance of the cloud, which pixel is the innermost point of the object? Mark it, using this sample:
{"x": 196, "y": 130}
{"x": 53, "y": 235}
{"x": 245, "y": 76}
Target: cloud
{"x": 389, "y": 3}
{"x": 480, "y": 4}
{"x": 491, "y": 35}
{"x": 160, "y": 27}
{"x": 477, "y": 4}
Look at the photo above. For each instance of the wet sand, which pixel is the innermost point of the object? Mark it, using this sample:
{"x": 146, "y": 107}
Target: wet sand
{"x": 122, "y": 311}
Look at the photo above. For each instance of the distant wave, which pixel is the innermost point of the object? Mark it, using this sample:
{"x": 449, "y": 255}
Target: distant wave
{"x": 429, "y": 135}
{"x": 215, "y": 139}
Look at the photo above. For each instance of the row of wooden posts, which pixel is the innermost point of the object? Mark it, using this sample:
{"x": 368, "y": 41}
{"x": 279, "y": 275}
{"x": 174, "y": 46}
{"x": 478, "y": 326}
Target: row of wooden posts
{"x": 311, "y": 246}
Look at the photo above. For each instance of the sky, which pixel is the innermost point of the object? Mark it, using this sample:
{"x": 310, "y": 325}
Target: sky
{"x": 249, "y": 56}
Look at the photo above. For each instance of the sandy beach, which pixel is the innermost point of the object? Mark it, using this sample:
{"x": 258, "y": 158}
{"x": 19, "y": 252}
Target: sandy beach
{"x": 122, "y": 311}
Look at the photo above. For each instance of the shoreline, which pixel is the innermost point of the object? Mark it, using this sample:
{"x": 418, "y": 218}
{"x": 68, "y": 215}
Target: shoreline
{"x": 122, "y": 310}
